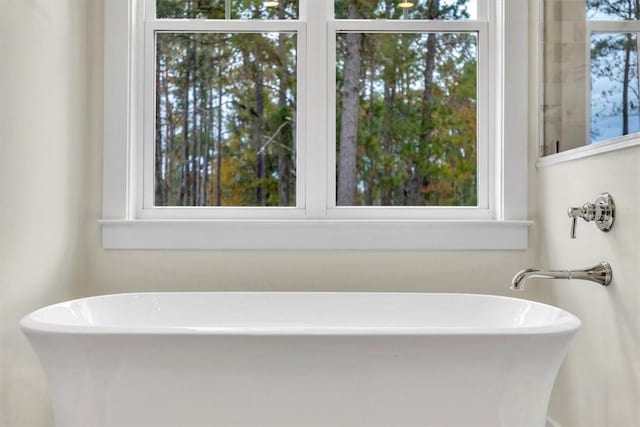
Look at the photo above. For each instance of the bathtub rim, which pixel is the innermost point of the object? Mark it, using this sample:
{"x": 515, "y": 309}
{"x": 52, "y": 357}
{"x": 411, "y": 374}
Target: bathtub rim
{"x": 570, "y": 325}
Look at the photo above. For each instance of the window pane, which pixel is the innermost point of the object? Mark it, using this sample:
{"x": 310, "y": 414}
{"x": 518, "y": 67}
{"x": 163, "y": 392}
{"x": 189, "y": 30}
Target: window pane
{"x": 406, "y": 119}
{"x": 614, "y": 85}
{"x": 231, "y": 9}
{"x": 225, "y": 119}
{"x": 612, "y": 10}
{"x": 406, "y": 9}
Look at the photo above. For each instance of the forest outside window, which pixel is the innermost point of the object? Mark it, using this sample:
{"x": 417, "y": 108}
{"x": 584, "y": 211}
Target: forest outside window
{"x": 225, "y": 99}
{"x": 411, "y": 127}
{"x": 317, "y": 110}
{"x": 612, "y": 31}
{"x": 225, "y": 126}
{"x": 227, "y": 106}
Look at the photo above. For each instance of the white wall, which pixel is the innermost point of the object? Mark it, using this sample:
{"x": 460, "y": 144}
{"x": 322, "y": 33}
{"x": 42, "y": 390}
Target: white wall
{"x": 599, "y": 383}
{"x": 43, "y": 145}
{"x": 50, "y": 115}
{"x": 53, "y": 53}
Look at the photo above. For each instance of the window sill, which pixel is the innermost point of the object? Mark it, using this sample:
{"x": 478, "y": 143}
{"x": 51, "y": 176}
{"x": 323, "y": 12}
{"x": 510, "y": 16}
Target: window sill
{"x": 589, "y": 150}
{"x": 315, "y": 234}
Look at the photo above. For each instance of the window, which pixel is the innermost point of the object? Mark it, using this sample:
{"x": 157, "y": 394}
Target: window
{"x": 315, "y": 124}
{"x": 612, "y": 28}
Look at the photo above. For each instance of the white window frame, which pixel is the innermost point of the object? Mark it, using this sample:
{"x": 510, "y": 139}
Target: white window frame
{"x": 498, "y": 223}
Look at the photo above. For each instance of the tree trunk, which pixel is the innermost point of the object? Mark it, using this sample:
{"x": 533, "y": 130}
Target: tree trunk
{"x": 169, "y": 196}
{"x": 283, "y": 153}
{"x": 258, "y": 130}
{"x": 197, "y": 134}
{"x": 415, "y": 196}
{"x": 387, "y": 128}
{"x": 184, "y": 184}
{"x": 219, "y": 142}
{"x": 347, "y": 173}
{"x": 625, "y": 84}
{"x": 159, "y": 155}
{"x": 207, "y": 105}
{"x": 372, "y": 176}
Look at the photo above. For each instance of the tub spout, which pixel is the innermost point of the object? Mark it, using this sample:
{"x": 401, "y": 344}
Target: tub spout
{"x": 600, "y": 274}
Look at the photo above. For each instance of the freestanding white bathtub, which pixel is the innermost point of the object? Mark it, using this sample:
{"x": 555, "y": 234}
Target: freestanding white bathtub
{"x": 300, "y": 359}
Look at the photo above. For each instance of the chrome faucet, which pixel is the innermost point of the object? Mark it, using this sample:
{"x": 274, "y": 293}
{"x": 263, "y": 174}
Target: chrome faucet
{"x": 602, "y": 213}
{"x": 600, "y": 274}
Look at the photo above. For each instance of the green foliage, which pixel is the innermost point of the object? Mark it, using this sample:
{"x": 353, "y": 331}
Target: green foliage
{"x": 226, "y": 108}
{"x": 389, "y": 9}
{"x": 224, "y": 120}
{"x": 215, "y": 9}
{"x": 417, "y": 145}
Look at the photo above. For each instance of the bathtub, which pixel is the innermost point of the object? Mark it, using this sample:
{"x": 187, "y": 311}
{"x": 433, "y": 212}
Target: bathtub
{"x": 300, "y": 359}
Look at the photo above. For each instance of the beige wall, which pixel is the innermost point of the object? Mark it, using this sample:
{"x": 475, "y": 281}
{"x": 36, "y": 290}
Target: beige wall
{"x": 43, "y": 146}
{"x": 599, "y": 383}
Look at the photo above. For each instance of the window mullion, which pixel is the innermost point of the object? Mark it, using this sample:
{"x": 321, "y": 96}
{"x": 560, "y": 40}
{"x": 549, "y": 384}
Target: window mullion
{"x": 212, "y": 26}
{"x": 513, "y": 63}
{"x": 484, "y": 10}
{"x": 146, "y": 155}
{"x": 314, "y": 112}
{"x": 418, "y": 26}
{"x": 612, "y": 26}
{"x": 227, "y": 9}
{"x": 487, "y": 87}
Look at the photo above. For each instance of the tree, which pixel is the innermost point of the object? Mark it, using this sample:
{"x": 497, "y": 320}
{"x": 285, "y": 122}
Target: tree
{"x": 415, "y": 138}
{"x": 350, "y": 113}
{"x": 224, "y": 96}
{"x": 226, "y": 106}
{"x": 606, "y": 50}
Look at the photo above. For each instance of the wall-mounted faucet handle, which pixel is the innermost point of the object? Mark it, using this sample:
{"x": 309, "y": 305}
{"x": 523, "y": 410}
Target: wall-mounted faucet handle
{"x": 574, "y": 223}
{"x": 586, "y": 212}
{"x": 602, "y": 212}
